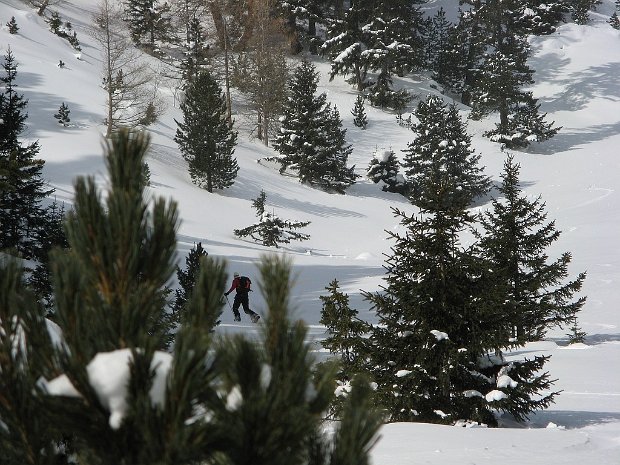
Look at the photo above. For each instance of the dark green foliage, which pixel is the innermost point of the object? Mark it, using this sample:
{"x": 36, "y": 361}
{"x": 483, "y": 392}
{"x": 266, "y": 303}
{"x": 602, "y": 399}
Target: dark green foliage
{"x": 344, "y": 330}
{"x": 149, "y": 20}
{"x": 114, "y": 279}
{"x": 438, "y": 45}
{"x": 311, "y": 140}
{"x": 360, "y": 119}
{"x": 64, "y": 30}
{"x": 187, "y": 278}
{"x": 63, "y": 115}
{"x": 580, "y": 10}
{"x": 206, "y": 139}
{"x": 196, "y": 56}
{"x": 576, "y": 334}
{"x": 384, "y": 167}
{"x": 51, "y": 234}
{"x": 270, "y": 229}
{"x": 441, "y": 155}
{"x": 55, "y": 22}
{"x": 516, "y": 237}
{"x": 27, "y": 436}
{"x": 21, "y": 185}
{"x": 614, "y": 21}
{"x": 12, "y": 25}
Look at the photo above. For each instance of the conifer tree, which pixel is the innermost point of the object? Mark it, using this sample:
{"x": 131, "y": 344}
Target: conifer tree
{"x": 432, "y": 322}
{"x": 206, "y": 139}
{"x": 500, "y": 76}
{"x": 442, "y": 148}
{"x": 22, "y": 187}
{"x": 576, "y": 334}
{"x": 344, "y": 329}
{"x": 437, "y": 43}
{"x": 516, "y": 237}
{"x": 384, "y": 167}
{"x": 312, "y": 141}
{"x": 271, "y": 230}
{"x": 27, "y": 434}
{"x": 63, "y": 115}
{"x": 196, "y": 56}
{"x": 148, "y": 20}
{"x": 187, "y": 278}
{"x": 12, "y": 25}
{"x": 614, "y": 21}
{"x": 50, "y": 235}
{"x": 360, "y": 119}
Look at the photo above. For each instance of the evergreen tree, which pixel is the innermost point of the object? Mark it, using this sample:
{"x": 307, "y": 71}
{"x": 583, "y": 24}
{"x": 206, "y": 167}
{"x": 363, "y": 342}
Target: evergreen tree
{"x": 55, "y": 22}
{"x": 614, "y": 21}
{"x": 27, "y": 434}
{"x": 50, "y": 235}
{"x": 271, "y": 230}
{"x": 148, "y": 20}
{"x": 442, "y": 150}
{"x": 500, "y": 76}
{"x": 384, "y": 167}
{"x": 206, "y": 139}
{"x": 187, "y": 278}
{"x": 196, "y": 56}
{"x": 12, "y": 25}
{"x": 346, "y": 41}
{"x": 437, "y": 44}
{"x": 360, "y": 119}
{"x": 576, "y": 334}
{"x": 344, "y": 330}
{"x": 63, "y": 115}
{"x": 432, "y": 322}
{"x": 312, "y": 141}
{"x": 22, "y": 187}
{"x": 516, "y": 235}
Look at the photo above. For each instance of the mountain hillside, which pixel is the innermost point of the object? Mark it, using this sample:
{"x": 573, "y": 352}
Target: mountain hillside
{"x": 576, "y": 174}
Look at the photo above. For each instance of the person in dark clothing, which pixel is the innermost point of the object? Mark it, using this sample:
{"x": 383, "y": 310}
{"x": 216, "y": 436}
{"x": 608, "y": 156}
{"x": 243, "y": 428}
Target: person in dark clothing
{"x": 242, "y": 285}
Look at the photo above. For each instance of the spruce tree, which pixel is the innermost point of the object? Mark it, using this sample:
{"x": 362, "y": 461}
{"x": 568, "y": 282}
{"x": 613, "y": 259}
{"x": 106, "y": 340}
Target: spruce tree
{"x": 196, "y": 56}
{"x": 312, "y": 141}
{"x": 12, "y": 25}
{"x": 206, "y": 139}
{"x": 534, "y": 291}
{"x": 614, "y": 21}
{"x": 442, "y": 148}
{"x": 271, "y": 230}
{"x": 187, "y": 278}
{"x": 432, "y": 322}
{"x": 500, "y": 74}
{"x": 344, "y": 330}
{"x": 360, "y": 119}
{"x": 63, "y": 115}
{"x": 22, "y": 187}
{"x": 384, "y": 167}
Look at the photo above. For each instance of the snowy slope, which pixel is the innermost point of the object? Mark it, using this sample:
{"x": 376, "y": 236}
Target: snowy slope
{"x": 576, "y": 173}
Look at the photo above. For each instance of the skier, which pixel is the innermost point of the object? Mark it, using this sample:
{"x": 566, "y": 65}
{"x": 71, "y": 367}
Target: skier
{"x": 242, "y": 284}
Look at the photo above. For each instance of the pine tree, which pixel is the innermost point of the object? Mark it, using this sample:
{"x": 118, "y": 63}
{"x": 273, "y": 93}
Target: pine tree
{"x": 614, "y": 21}
{"x": 576, "y": 334}
{"x": 27, "y": 434}
{"x": 271, "y": 230}
{"x": 187, "y": 278}
{"x": 360, "y": 119}
{"x": 196, "y": 56}
{"x": 344, "y": 330}
{"x": 384, "y": 167}
{"x": 206, "y": 139}
{"x": 55, "y": 22}
{"x": 500, "y": 76}
{"x": 12, "y": 25}
{"x": 148, "y": 20}
{"x": 50, "y": 235}
{"x": 63, "y": 115}
{"x": 442, "y": 150}
{"x": 516, "y": 235}
{"x": 22, "y": 187}
{"x": 312, "y": 141}
{"x": 437, "y": 44}
{"x": 345, "y": 44}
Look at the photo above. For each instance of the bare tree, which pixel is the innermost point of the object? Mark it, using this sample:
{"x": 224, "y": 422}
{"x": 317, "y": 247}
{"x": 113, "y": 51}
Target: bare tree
{"x": 261, "y": 71}
{"x": 132, "y": 97}
{"x": 42, "y": 5}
